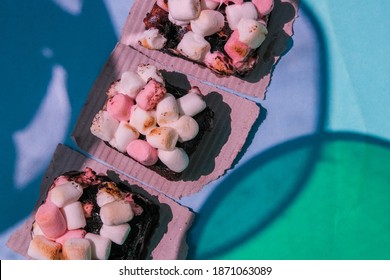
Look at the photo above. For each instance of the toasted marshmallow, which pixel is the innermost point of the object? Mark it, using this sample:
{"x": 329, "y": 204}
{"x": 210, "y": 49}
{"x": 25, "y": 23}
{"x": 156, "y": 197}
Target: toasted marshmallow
{"x": 100, "y": 246}
{"x": 130, "y": 84}
{"x": 177, "y": 160}
{"x": 74, "y": 215}
{"x": 251, "y": 32}
{"x": 167, "y": 110}
{"x": 147, "y": 72}
{"x": 119, "y": 105}
{"x": 77, "y": 249}
{"x": 41, "y": 248}
{"x": 178, "y": 22}
{"x": 109, "y": 193}
{"x": 163, "y": 4}
{"x": 116, "y": 234}
{"x": 186, "y": 127}
{"x": 143, "y": 152}
{"x": 208, "y": 23}
{"x": 234, "y": 13}
{"x": 209, "y": 4}
{"x": 124, "y": 134}
{"x": 235, "y": 49}
{"x": 104, "y": 126}
{"x": 150, "y": 95}
{"x": 193, "y": 46}
{"x": 164, "y": 138}
{"x": 264, "y": 7}
{"x": 50, "y": 219}
{"x": 116, "y": 213}
{"x": 142, "y": 120}
{"x": 152, "y": 39}
{"x": 184, "y": 9}
{"x": 192, "y": 103}
{"x": 218, "y": 61}
{"x": 64, "y": 194}
{"x": 75, "y": 233}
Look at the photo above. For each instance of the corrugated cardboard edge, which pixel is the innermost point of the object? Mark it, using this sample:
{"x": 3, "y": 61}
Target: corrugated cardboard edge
{"x": 234, "y": 118}
{"x": 168, "y": 241}
{"x": 280, "y": 30}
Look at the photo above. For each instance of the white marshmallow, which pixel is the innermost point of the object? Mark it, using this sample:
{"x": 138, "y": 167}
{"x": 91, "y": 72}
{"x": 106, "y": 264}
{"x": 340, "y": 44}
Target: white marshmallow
{"x": 103, "y": 197}
{"x": 234, "y": 13}
{"x": 100, "y": 246}
{"x": 192, "y": 103}
{"x": 208, "y": 23}
{"x": 74, "y": 215}
{"x": 208, "y": 4}
{"x": 41, "y": 248}
{"x": 116, "y": 213}
{"x": 104, "y": 126}
{"x": 124, "y": 134}
{"x": 176, "y": 160}
{"x": 77, "y": 249}
{"x": 186, "y": 127}
{"x": 167, "y": 110}
{"x": 251, "y": 32}
{"x": 116, "y": 234}
{"x": 65, "y": 194}
{"x": 147, "y": 71}
{"x": 36, "y": 230}
{"x": 178, "y": 22}
{"x": 184, "y": 9}
{"x": 164, "y": 138}
{"x": 193, "y": 46}
{"x": 142, "y": 120}
{"x": 130, "y": 84}
{"x": 152, "y": 39}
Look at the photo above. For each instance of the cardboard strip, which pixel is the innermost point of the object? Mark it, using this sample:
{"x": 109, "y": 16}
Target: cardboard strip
{"x": 280, "y": 31}
{"x": 234, "y": 118}
{"x": 168, "y": 240}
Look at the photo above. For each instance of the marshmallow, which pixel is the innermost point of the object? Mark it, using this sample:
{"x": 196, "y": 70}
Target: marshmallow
{"x": 143, "y": 152}
{"x": 163, "y": 4}
{"x": 184, "y": 9}
{"x": 176, "y": 160}
{"x": 152, "y": 39}
{"x": 264, "y": 7}
{"x": 164, "y": 138}
{"x": 236, "y": 49}
{"x": 124, "y": 134}
{"x": 150, "y": 95}
{"x": 251, "y": 32}
{"x": 142, "y": 120}
{"x": 218, "y": 61}
{"x": 50, "y": 219}
{"x": 147, "y": 72}
{"x": 208, "y": 4}
{"x": 74, "y": 215}
{"x": 116, "y": 234}
{"x": 100, "y": 246}
{"x": 77, "y": 249}
{"x": 192, "y": 103}
{"x": 40, "y": 248}
{"x": 104, "y": 126}
{"x": 118, "y": 106}
{"x": 130, "y": 84}
{"x": 186, "y": 127}
{"x": 208, "y": 23}
{"x": 167, "y": 110}
{"x": 64, "y": 194}
{"x": 36, "y": 230}
{"x": 76, "y": 233}
{"x": 116, "y": 213}
{"x": 178, "y": 22}
{"x": 193, "y": 46}
{"x": 234, "y": 13}
{"x": 103, "y": 197}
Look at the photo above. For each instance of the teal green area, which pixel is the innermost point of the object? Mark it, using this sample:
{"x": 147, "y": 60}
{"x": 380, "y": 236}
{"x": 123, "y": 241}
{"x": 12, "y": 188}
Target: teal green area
{"x": 340, "y": 212}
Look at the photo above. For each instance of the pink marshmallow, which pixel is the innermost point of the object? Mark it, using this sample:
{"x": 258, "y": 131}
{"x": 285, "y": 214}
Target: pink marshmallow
{"x": 236, "y": 49}
{"x": 150, "y": 95}
{"x": 119, "y": 107}
{"x": 227, "y": 1}
{"x": 264, "y": 7}
{"x": 76, "y": 233}
{"x": 51, "y": 221}
{"x": 143, "y": 152}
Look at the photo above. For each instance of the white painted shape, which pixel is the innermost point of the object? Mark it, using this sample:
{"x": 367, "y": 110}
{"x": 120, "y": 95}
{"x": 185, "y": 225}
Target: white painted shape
{"x": 73, "y": 7}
